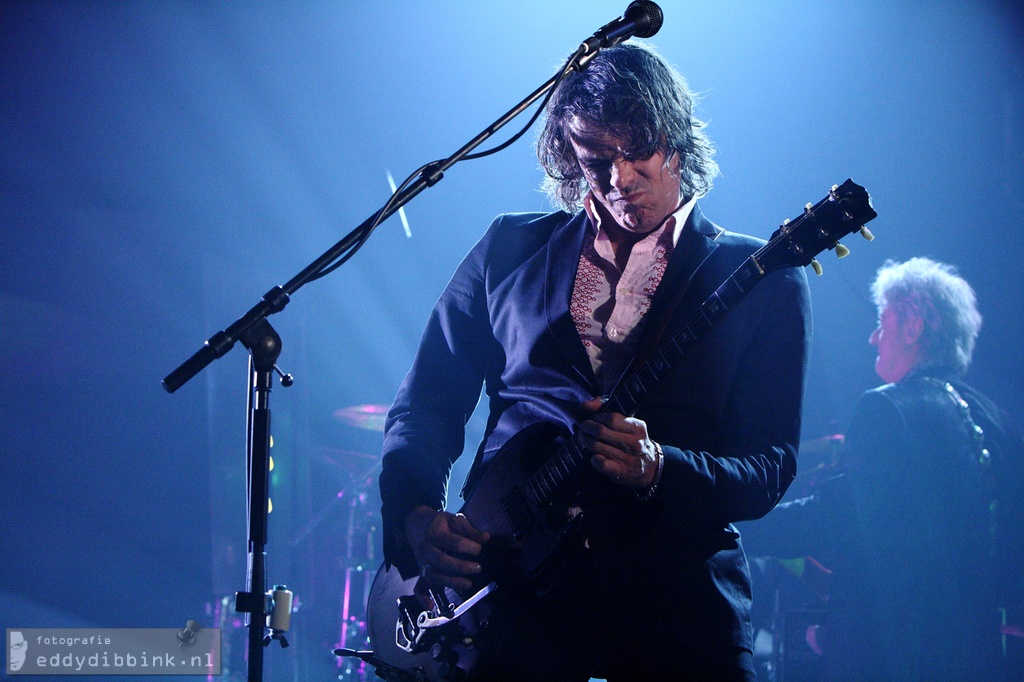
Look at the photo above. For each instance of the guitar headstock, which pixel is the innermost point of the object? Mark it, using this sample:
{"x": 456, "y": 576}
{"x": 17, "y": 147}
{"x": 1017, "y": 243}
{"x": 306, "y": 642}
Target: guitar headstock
{"x": 845, "y": 210}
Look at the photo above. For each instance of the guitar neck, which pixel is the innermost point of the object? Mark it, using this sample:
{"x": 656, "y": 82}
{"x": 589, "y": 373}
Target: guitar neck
{"x": 844, "y": 210}
{"x": 627, "y": 395}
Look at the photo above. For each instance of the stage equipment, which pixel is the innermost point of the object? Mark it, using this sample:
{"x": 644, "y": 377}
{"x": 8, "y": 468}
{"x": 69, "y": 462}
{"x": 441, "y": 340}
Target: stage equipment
{"x": 369, "y": 417}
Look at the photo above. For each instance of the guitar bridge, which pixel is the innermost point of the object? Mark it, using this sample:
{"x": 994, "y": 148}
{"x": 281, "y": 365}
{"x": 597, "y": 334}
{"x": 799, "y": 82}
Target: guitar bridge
{"x": 407, "y": 633}
{"x": 415, "y": 622}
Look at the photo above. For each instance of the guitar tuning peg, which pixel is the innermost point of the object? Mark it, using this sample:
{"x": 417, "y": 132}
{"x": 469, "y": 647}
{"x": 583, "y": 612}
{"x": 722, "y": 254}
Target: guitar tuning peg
{"x": 841, "y": 251}
{"x": 866, "y": 233}
{"x": 816, "y": 266}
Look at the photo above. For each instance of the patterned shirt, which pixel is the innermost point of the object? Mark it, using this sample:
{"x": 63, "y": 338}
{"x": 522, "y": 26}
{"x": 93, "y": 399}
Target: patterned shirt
{"x": 608, "y": 305}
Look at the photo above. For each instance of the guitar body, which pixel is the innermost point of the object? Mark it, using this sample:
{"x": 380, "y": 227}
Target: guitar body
{"x": 527, "y": 543}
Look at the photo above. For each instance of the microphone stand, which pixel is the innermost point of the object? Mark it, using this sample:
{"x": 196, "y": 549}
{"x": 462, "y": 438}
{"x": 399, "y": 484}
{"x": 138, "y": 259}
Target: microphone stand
{"x": 264, "y": 346}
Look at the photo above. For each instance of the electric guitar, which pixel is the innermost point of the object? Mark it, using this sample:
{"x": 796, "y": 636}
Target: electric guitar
{"x": 419, "y": 631}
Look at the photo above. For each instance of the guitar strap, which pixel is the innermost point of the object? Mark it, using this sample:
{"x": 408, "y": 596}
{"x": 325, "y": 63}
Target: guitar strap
{"x": 977, "y": 434}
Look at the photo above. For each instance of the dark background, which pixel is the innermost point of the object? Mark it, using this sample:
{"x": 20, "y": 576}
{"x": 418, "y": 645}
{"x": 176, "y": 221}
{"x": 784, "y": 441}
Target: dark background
{"x": 163, "y": 164}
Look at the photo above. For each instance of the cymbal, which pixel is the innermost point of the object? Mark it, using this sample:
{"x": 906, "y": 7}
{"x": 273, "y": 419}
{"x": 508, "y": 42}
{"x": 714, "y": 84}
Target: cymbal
{"x": 369, "y": 417}
{"x": 346, "y": 462}
{"x": 333, "y": 455}
{"x": 823, "y": 445}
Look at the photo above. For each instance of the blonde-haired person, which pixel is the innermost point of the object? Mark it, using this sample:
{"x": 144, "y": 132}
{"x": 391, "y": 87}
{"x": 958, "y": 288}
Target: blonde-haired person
{"x": 922, "y": 525}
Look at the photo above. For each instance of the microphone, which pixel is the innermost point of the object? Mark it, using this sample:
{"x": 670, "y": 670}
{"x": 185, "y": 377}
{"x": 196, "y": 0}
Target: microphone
{"x": 641, "y": 19}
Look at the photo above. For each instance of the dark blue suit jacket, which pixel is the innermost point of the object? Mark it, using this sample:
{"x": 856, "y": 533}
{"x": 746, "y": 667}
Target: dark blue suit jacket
{"x": 728, "y": 417}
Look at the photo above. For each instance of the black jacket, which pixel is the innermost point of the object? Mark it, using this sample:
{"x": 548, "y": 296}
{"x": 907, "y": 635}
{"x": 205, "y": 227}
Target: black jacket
{"x": 922, "y": 532}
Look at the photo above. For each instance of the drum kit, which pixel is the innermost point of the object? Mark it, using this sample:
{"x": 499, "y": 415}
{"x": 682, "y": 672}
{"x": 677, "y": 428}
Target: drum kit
{"x": 360, "y": 543}
{"x": 330, "y": 557}
{"x": 356, "y": 530}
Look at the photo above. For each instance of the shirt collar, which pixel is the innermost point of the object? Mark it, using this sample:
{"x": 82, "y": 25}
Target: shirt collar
{"x": 675, "y": 221}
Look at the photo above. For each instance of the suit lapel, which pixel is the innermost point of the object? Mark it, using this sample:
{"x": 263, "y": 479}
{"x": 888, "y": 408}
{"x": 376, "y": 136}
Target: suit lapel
{"x": 563, "y": 256}
{"x": 695, "y": 245}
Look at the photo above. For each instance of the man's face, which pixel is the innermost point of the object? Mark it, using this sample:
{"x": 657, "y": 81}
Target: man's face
{"x": 896, "y": 354}
{"x": 638, "y": 193}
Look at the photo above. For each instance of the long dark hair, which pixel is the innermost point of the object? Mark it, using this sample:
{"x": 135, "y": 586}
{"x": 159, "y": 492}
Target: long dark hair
{"x": 632, "y": 93}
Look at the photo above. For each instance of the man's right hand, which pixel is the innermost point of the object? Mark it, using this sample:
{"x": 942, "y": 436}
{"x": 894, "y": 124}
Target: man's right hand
{"x": 445, "y": 546}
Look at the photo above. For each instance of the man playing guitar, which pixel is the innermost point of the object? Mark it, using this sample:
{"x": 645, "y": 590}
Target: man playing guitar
{"x": 549, "y": 311}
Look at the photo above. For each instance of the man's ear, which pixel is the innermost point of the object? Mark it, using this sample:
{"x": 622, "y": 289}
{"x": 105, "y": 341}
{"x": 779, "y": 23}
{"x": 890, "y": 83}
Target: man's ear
{"x": 912, "y": 328}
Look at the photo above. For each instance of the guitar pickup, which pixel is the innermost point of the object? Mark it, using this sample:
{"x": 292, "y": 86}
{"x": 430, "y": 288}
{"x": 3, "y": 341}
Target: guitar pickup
{"x": 517, "y": 512}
